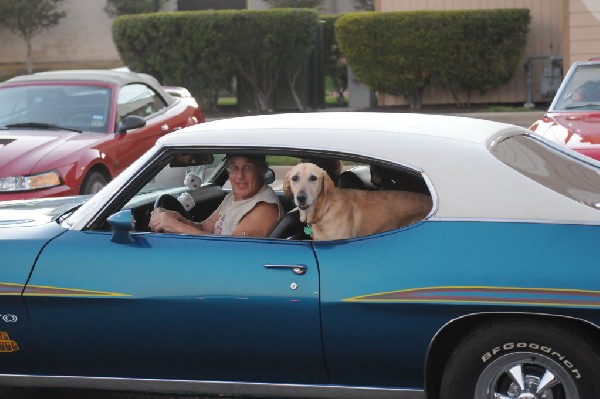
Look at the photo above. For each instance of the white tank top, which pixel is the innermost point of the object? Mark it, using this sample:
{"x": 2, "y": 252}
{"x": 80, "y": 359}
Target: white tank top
{"x": 231, "y": 212}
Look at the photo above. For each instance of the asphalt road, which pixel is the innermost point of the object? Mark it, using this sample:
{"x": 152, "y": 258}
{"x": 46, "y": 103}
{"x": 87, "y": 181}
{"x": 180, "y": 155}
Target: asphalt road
{"x": 524, "y": 119}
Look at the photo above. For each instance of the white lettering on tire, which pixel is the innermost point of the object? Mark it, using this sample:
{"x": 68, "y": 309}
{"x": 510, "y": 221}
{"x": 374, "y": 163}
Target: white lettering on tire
{"x": 510, "y": 346}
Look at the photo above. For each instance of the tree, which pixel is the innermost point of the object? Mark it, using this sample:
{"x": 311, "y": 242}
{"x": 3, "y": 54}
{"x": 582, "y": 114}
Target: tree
{"x": 28, "y": 18}
{"x": 114, "y": 8}
{"x": 294, "y": 3}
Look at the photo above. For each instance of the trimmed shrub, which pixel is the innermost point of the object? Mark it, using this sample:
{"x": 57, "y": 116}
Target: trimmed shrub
{"x": 400, "y": 53}
{"x": 204, "y": 50}
{"x": 184, "y": 49}
{"x": 264, "y": 45}
{"x": 483, "y": 50}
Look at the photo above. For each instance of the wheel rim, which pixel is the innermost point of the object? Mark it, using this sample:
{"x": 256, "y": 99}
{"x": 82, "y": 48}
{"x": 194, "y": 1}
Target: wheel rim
{"x": 95, "y": 187}
{"x": 525, "y": 375}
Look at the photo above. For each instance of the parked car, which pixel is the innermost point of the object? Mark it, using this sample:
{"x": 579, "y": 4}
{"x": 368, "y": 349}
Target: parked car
{"x": 65, "y": 133}
{"x": 573, "y": 118}
{"x": 494, "y": 294}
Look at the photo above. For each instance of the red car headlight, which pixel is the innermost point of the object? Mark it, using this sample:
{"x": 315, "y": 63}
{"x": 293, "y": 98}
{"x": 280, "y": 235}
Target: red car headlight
{"x": 33, "y": 182}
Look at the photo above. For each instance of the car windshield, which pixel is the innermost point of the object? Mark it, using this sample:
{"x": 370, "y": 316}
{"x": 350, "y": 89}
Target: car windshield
{"x": 581, "y": 89}
{"x": 73, "y": 107}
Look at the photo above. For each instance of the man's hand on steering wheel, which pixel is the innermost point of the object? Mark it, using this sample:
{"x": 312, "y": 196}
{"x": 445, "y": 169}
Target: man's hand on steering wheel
{"x": 167, "y": 215}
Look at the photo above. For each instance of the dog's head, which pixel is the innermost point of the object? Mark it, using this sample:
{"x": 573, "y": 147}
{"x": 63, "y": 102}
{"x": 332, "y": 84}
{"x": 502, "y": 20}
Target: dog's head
{"x": 306, "y": 182}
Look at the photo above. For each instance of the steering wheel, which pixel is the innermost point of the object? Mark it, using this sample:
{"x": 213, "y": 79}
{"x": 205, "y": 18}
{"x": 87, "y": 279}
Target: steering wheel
{"x": 167, "y": 201}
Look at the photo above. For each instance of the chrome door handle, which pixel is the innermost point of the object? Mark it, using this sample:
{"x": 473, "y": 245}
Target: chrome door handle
{"x": 296, "y": 269}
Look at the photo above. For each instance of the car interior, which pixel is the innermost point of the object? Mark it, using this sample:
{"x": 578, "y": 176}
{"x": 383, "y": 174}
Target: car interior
{"x": 168, "y": 184}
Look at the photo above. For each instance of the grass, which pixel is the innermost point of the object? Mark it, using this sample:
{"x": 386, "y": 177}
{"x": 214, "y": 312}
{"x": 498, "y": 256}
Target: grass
{"x": 278, "y": 160}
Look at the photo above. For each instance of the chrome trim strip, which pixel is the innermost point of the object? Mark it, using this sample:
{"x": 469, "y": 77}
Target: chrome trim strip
{"x": 507, "y": 220}
{"x": 209, "y": 387}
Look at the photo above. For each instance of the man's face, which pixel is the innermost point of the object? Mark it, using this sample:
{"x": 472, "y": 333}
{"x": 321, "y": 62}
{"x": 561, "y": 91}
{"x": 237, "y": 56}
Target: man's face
{"x": 244, "y": 176}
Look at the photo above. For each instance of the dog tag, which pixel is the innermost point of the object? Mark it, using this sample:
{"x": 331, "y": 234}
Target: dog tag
{"x": 307, "y": 230}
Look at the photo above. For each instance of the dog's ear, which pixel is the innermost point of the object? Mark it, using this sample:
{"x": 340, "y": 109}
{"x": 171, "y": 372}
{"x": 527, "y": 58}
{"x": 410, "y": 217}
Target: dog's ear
{"x": 327, "y": 183}
{"x": 287, "y": 190}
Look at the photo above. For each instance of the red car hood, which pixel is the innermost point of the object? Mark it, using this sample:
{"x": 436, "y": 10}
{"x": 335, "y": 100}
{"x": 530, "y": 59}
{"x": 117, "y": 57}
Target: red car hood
{"x": 577, "y": 130}
{"x": 22, "y": 150}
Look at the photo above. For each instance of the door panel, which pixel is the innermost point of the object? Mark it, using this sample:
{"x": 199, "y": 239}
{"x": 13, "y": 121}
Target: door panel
{"x": 175, "y": 306}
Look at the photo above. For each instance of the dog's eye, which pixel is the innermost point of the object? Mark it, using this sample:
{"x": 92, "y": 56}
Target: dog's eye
{"x": 295, "y": 178}
{"x": 313, "y": 178}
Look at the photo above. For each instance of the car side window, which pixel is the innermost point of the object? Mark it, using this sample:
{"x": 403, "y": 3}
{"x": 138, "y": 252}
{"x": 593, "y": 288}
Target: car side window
{"x": 139, "y": 99}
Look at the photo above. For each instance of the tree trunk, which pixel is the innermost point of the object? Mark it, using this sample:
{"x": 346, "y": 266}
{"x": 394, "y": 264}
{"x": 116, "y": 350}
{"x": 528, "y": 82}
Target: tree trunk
{"x": 292, "y": 78}
{"x": 29, "y": 58}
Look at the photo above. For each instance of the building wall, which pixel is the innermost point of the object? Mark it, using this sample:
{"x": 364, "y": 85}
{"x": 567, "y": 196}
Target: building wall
{"x": 583, "y": 30}
{"x": 545, "y": 40}
{"x": 328, "y": 7}
{"x": 82, "y": 39}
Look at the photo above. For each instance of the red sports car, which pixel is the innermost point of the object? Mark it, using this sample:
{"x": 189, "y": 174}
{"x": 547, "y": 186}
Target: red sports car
{"x": 573, "y": 118}
{"x": 70, "y": 132}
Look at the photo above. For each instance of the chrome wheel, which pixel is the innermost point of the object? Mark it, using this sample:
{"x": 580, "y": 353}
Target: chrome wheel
{"x": 520, "y": 358}
{"x": 525, "y": 375}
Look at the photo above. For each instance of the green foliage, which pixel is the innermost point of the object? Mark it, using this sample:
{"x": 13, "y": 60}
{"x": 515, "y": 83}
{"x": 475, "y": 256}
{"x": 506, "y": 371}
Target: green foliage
{"x": 204, "y": 50}
{"x": 184, "y": 49}
{"x": 484, "y": 49}
{"x": 294, "y": 3}
{"x": 28, "y": 18}
{"x": 114, "y": 8}
{"x": 335, "y": 64}
{"x": 400, "y": 53}
{"x": 264, "y": 44}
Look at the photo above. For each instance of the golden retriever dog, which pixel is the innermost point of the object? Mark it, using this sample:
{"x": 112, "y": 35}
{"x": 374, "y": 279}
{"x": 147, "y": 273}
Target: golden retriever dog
{"x": 334, "y": 213}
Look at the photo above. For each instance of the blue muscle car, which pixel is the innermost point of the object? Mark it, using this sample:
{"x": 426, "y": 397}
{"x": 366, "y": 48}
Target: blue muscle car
{"x": 494, "y": 294}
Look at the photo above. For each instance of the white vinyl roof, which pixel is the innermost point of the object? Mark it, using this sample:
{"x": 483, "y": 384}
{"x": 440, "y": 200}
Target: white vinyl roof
{"x": 466, "y": 180}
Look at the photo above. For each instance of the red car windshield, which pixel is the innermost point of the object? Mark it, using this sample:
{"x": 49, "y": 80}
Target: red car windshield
{"x": 84, "y": 108}
{"x": 581, "y": 89}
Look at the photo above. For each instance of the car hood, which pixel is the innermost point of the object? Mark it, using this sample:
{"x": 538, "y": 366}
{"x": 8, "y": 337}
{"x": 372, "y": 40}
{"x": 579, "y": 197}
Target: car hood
{"x": 36, "y": 212}
{"x": 577, "y": 130}
{"x": 21, "y": 150}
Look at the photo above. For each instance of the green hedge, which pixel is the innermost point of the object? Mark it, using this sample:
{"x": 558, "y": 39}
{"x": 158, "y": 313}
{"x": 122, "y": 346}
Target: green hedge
{"x": 400, "y": 53}
{"x": 335, "y": 64}
{"x": 183, "y": 48}
{"x": 203, "y": 50}
{"x": 268, "y": 45}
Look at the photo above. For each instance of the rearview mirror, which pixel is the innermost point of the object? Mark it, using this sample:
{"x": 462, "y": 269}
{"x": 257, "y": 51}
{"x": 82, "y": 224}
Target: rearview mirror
{"x": 194, "y": 159}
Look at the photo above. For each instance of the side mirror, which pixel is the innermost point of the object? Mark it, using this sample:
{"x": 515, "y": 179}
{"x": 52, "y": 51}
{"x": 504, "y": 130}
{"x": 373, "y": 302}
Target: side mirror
{"x": 131, "y": 122}
{"x": 122, "y": 224}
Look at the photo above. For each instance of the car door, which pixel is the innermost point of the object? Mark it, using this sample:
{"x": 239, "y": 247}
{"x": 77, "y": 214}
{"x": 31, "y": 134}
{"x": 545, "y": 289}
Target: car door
{"x": 177, "y": 306}
{"x": 359, "y": 281}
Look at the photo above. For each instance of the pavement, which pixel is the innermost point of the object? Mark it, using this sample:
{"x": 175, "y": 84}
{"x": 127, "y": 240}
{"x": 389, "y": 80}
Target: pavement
{"x": 521, "y": 118}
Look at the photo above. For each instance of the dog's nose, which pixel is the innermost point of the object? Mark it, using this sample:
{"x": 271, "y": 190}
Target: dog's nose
{"x": 301, "y": 198}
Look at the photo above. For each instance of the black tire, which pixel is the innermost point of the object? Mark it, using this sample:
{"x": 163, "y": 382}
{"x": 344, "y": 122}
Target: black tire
{"x": 490, "y": 360}
{"x": 93, "y": 183}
